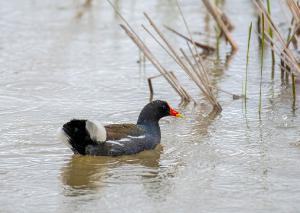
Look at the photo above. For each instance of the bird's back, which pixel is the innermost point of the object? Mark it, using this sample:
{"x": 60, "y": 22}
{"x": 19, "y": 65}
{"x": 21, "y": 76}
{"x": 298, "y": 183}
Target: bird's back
{"x": 124, "y": 139}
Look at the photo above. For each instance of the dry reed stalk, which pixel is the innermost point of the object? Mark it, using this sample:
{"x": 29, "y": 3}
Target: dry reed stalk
{"x": 278, "y": 51}
{"x": 289, "y": 64}
{"x": 292, "y": 38}
{"x": 202, "y": 73}
{"x": 195, "y": 75}
{"x": 285, "y": 60}
{"x": 149, "y": 80}
{"x": 295, "y": 24}
{"x": 201, "y": 82}
{"x": 225, "y": 19}
{"x": 285, "y": 51}
{"x": 200, "y": 77}
{"x": 162, "y": 46}
{"x": 198, "y": 44}
{"x": 295, "y": 10}
{"x": 175, "y": 57}
{"x": 171, "y": 79}
{"x": 172, "y": 50}
{"x": 216, "y": 15}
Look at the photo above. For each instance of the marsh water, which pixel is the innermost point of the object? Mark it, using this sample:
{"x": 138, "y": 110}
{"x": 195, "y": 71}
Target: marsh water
{"x": 61, "y": 60}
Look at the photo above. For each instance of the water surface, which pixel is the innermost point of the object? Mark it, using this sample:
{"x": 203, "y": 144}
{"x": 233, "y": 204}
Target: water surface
{"x": 60, "y": 60}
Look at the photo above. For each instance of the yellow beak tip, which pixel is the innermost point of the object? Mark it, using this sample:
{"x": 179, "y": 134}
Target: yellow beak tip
{"x": 179, "y": 115}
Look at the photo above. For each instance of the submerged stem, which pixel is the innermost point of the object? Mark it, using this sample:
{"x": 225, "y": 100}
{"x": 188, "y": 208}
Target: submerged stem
{"x": 294, "y": 90}
{"x": 262, "y": 59}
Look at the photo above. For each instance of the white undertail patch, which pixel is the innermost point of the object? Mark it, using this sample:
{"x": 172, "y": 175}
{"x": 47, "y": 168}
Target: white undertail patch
{"x": 96, "y": 130}
{"x": 62, "y": 136}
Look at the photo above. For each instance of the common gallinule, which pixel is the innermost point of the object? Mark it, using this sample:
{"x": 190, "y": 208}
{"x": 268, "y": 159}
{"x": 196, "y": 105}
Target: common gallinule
{"x": 91, "y": 138}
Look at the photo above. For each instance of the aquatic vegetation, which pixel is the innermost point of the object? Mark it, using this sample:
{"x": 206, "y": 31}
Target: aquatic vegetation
{"x": 194, "y": 67}
{"x": 261, "y": 59}
{"x": 171, "y": 79}
{"x": 58, "y": 66}
{"x": 288, "y": 59}
{"x": 191, "y": 62}
{"x": 247, "y": 61}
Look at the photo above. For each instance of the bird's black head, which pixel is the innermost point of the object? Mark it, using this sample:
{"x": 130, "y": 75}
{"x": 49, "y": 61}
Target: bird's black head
{"x": 156, "y": 110}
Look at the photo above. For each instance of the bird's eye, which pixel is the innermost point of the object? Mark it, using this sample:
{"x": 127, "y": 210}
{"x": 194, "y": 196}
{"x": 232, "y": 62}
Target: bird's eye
{"x": 164, "y": 107}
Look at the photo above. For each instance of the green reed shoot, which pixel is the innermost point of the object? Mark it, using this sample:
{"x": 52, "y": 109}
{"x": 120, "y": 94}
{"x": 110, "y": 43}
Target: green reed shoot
{"x": 247, "y": 61}
{"x": 262, "y": 58}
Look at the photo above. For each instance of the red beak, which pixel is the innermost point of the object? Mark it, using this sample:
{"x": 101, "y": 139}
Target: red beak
{"x": 173, "y": 112}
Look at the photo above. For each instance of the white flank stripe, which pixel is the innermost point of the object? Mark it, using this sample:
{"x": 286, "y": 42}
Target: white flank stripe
{"x": 115, "y": 142}
{"x": 141, "y": 136}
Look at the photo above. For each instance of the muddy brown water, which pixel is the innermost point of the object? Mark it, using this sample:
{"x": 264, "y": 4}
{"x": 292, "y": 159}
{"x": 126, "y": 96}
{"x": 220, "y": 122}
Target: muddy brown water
{"x": 56, "y": 66}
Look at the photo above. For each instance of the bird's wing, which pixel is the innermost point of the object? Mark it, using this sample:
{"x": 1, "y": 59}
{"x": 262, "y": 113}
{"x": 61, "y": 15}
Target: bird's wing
{"x": 119, "y": 131}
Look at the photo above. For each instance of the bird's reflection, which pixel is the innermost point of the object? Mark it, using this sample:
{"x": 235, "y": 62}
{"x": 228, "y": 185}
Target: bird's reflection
{"x": 87, "y": 174}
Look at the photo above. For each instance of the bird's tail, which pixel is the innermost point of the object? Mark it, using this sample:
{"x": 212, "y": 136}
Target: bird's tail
{"x": 78, "y": 134}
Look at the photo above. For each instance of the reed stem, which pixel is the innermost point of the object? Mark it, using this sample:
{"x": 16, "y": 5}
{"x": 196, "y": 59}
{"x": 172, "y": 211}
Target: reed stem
{"x": 261, "y": 60}
{"x": 271, "y": 35}
{"x": 247, "y": 61}
{"x": 294, "y": 91}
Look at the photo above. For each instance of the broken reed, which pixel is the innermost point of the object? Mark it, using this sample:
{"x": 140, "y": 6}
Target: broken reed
{"x": 201, "y": 79}
{"x": 295, "y": 10}
{"x": 261, "y": 59}
{"x": 171, "y": 50}
{"x": 247, "y": 61}
{"x": 214, "y": 11}
{"x": 195, "y": 74}
{"x": 208, "y": 49}
{"x": 280, "y": 46}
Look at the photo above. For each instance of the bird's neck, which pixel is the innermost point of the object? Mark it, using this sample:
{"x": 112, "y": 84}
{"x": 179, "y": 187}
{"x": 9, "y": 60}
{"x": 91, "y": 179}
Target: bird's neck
{"x": 147, "y": 121}
{"x": 146, "y": 118}
{"x": 150, "y": 125}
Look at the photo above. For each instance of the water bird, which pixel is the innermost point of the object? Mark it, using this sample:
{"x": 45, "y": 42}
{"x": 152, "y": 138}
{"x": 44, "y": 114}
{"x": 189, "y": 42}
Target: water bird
{"x": 87, "y": 137}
